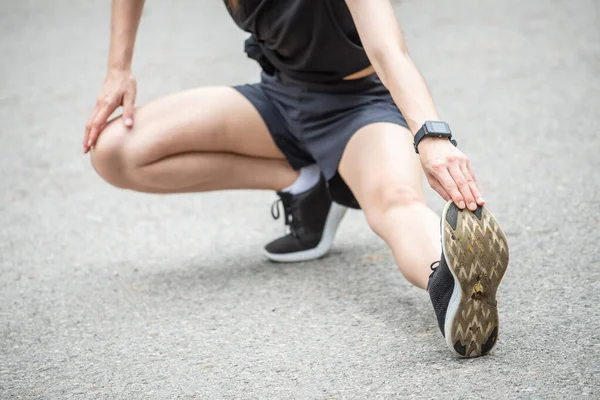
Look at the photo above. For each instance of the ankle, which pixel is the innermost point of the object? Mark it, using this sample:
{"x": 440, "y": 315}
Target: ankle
{"x": 305, "y": 180}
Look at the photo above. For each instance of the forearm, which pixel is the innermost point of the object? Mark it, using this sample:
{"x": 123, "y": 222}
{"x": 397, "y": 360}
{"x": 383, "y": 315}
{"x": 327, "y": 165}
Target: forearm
{"x": 408, "y": 88}
{"x": 125, "y": 19}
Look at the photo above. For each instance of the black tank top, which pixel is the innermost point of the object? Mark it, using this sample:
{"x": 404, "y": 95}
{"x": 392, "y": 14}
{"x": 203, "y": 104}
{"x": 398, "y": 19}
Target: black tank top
{"x": 308, "y": 40}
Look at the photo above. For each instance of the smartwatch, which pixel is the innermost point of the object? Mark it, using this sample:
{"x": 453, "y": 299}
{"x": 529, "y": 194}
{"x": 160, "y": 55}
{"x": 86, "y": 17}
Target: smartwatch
{"x": 437, "y": 129}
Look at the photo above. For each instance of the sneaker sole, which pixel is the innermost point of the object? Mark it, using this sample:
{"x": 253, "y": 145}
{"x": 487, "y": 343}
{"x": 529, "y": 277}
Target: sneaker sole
{"x": 476, "y": 252}
{"x": 334, "y": 217}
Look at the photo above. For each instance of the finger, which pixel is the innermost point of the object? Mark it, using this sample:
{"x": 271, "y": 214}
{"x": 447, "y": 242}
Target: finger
{"x": 445, "y": 179}
{"x": 128, "y": 107}
{"x": 88, "y": 128}
{"x": 479, "y": 198}
{"x": 435, "y": 185}
{"x": 98, "y": 122}
{"x": 463, "y": 186}
{"x": 472, "y": 184}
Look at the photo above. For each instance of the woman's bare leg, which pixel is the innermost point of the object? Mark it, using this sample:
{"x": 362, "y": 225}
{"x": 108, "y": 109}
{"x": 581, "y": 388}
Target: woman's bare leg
{"x": 381, "y": 168}
{"x": 198, "y": 140}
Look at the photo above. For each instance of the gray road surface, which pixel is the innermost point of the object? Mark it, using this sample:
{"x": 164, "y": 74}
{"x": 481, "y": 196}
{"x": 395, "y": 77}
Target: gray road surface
{"x": 106, "y": 294}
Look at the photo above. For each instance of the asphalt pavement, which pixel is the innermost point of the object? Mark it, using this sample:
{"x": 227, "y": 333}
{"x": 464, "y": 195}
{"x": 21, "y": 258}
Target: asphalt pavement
{"x": 108, "y": 294}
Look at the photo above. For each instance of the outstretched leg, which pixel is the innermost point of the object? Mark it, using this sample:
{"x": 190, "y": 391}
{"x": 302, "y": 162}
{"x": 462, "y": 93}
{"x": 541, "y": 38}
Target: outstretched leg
{"x": 384, "y": 173}
{"x": 198, "y": 140}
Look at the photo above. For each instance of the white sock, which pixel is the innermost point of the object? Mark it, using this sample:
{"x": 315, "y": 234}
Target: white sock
{"x": 307, "y": 179}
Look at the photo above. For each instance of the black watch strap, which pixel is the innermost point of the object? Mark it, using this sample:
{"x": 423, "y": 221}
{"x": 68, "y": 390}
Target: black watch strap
{"x": 418, "y": 137}
{"x": 424, "y": 132}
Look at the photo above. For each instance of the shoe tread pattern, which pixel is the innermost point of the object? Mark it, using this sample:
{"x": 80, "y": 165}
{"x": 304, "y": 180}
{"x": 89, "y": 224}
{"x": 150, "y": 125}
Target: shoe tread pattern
{"x": 477, "y": 254}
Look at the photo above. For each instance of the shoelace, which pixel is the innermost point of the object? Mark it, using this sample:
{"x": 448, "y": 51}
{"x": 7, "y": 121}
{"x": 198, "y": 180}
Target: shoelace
{"x": 432, "y": 272}
{"x": 287, "y": 215}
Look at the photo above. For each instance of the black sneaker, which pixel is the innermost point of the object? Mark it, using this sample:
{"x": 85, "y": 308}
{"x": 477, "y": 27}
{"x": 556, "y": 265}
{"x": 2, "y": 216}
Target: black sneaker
{"x": 312, "y": 219}
{"x": 463, "y": 286}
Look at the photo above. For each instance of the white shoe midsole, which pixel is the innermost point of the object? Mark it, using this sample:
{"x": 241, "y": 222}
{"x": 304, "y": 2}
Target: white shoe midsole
{"x": 456, "y": 292}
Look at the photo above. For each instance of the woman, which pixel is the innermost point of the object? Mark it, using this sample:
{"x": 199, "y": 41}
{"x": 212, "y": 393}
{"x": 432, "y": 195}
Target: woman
{"x": 323, "y": 124}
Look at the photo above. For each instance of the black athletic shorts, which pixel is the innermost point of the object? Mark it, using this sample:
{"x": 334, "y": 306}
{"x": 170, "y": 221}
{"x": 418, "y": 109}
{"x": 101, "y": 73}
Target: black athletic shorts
{"x": 312, "y": 123}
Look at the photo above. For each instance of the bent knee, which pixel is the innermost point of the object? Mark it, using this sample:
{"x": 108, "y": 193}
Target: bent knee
{"x": 390, "y": 197}
{"x": 107, "y": 156}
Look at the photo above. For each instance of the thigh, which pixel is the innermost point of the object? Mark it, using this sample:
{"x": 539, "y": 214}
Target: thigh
{"x": 381, "y": 156}
{"x": 212, "y": 119}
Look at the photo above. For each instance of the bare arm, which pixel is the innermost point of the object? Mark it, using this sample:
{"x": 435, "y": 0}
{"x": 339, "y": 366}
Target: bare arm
{"x": 119, "y": 86}
{"x": 125, "y": 19}
{"x": 447, "y": 169}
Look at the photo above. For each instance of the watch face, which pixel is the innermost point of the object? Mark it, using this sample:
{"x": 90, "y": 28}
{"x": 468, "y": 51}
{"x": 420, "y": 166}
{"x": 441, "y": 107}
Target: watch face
{"x": 438, "y": 127}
